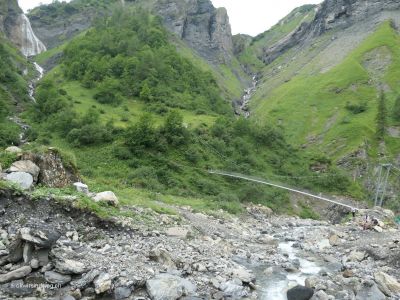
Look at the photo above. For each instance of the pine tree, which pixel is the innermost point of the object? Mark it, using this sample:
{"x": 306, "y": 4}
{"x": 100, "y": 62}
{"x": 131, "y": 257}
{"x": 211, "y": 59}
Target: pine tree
{"x": 381, "y": 117}
{"x": 396, "y": 109}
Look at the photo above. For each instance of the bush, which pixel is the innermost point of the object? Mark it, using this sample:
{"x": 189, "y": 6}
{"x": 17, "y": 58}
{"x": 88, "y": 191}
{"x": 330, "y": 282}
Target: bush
{"x": 9, "y": 134}
{"x": 357, "y": 108}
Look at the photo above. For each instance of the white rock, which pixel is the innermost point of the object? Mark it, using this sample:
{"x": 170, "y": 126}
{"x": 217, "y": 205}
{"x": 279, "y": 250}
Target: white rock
{"x": 26, "y": 166}
{"x": 179, "y": 232}
{"x": 22, "y": 179}
{"x": 102, "y": 283}
{"x": 378, "y": 229}
{"x": 386, "y": 282}
{"x": 13, "y": 149}
{"x": 81, "y": 187}
{"x": 106, "y": 197}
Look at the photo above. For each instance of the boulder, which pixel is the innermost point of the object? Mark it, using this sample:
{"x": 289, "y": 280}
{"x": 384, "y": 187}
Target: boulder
{"x": 69, "y": 266}
{"x": 348, "y": 273}
{"x": 22, "y": 179}
{"x": 179, "y": 232}
{"x": 102, "y": 283}
{"x": 57, "y": 278}
{"x": 86, "y": 279}
{"x": 162, "y": 256}
{"x": 43, "y": 237}
{"x": 26, "y": 166}
{"x": 13, "y": 149}
{"x": 16, "y": 274}
{"x": 233, "y": 289}
{"x": 243, "y": 274}
{"x": 369, "y": 291}
{"x": 300, "y": 292}
{"x": 54, "y": 170}
{"x": 320, "y": 295}
{"x": 122, "y": 292}
{"x": 81, "y": 187}
{"x": 334, "y": 240}
{"x": 311, "y": 282}
{"x": 106, "y": 197}
{"x": 387, "y": 284}
{"x": 378, "y": 228}
{"x": 169, "y": 287}
{"x": 356, "y": 256}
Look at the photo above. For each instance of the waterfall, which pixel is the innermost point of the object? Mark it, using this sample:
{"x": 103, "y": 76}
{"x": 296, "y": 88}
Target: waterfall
{"x": 30, "y": 45}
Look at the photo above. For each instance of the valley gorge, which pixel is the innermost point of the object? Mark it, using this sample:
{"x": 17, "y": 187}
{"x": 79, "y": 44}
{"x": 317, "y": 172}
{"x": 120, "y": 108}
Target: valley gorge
{"x": 117, "y": 200}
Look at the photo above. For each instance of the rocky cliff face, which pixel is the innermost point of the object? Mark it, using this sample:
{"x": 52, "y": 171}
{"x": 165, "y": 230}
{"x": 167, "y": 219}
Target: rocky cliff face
{"x": 16, "y": 26}
{"x": 197, "y": 22}
{"x": 203, "y": 27}
{"x": 336, "y": 15}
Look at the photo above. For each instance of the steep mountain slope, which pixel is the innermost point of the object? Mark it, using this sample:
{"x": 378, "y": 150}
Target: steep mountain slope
{"x": 196, "y": 24}
{"x": 321, "y": 84}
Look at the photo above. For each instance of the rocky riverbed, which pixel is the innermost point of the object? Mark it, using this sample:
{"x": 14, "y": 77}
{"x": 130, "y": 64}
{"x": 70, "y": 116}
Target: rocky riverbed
{"x": 50, "y": 249}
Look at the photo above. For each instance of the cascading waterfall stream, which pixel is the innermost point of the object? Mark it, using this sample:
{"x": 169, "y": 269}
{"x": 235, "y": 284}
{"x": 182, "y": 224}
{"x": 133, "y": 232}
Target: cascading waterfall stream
{"x": 248, "y": 93}
{"x": 30, "y": 46}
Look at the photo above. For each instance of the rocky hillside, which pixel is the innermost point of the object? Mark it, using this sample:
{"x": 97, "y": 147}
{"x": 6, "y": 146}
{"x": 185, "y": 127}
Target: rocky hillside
{"x": 197, "y": 22}
{"x": 321, "y": 83}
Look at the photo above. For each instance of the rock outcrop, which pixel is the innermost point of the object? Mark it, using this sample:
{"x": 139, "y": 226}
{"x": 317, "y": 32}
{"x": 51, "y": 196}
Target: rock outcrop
{"x": 334, "y": 15}
{"x": 16, "y": 26}
{"x": 197, "y": 22}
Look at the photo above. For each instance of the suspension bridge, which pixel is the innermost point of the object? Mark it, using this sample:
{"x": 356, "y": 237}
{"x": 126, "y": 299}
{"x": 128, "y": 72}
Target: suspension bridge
{"x": 248, "y": 178}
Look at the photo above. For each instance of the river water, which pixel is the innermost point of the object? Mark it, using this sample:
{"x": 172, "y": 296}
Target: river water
{"x": 273, "y": 280}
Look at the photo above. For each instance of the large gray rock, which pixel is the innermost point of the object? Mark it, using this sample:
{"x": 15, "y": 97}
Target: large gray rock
{"x": 26, "y": 166}
{"x": 43, "y": 237}
{"x": 300, "y": 293}
{"x": 69, "y": 266}
{"x": 86, "y": 279}
{"x": 106, "y": 197}
{"x": 102, "y": 283}
{"x": 57, "y": 278}
{"x": 233, "y": 289}
{"x": 369, "y": 291}
{"x": 54, "y": 170}
{"x": 122, "y": 292}
{"x": 22, "y": 179}
{"x": 81, "y": 187}
{"x": 244, "y": 275}
{"x": 169, "y": 287}
{"x": 16, "y": 274}
{"x": 387, "y": 284}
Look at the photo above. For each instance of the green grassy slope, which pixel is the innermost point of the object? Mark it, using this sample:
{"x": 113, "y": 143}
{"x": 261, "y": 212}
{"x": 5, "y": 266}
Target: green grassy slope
{"x": 314, "y": 107}
{"x": 13, "y": 90}
{"x": 250, "y": 54}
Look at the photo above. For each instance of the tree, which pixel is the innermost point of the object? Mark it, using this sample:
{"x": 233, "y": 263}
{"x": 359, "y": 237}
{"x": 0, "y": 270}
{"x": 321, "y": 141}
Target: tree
{"x": 396, "y": 109}
{"x": 142, "y": 135}
{"x": 381, "y": 117}
{"x": 173, "y": 130}
{"x": 145, "y": 93}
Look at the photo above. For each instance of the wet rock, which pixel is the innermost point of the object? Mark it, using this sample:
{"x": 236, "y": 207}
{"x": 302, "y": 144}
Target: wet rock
{"x": 26, "y": 166}
{"x": 233, "y": 289}
{"x": 369, "y": 291}
{"x": 41, "y": 237}
{"x": 179, "y": 232}
{"x": 16, "y": 274}
{"x": 169, "y": 287}
{"x": 106, "y": 197}
{"x": 102, "y": 283}
{"x": 68, "y": 266}
{"x": 57, "y": 278}
{"x": 300, "y": 293}
{"x": 320, "y": 295}
{"x": 81, "y": 187}
{"x": 387, "y": 284}
{"x": 122, "y": 292}
{"x": 311, "y": 282}
{"x": 22, "y": 179}
{"x": 244, "y": 275}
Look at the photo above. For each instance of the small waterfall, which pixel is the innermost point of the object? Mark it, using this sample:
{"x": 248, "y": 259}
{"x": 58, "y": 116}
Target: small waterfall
{"x": 248, "y": 93}
{"x": 32, "y": 83}
{"x": 30, "y": 44}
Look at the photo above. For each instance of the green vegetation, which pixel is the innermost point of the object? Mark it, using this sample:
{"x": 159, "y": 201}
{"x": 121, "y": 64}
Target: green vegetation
{"x": 332, "y": 112}
{"x": 381, "y": 117}
{"x": 396, "y": 109}
{"x": 13, "y": 91}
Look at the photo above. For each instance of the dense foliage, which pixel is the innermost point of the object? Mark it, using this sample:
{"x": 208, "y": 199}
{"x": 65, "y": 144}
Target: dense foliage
{"x": 128, "y": 55}
{"x": 12, "y": 90}
{"x": 396, "y": 109}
